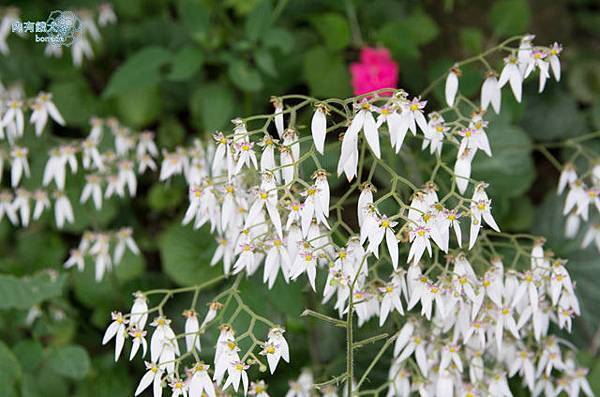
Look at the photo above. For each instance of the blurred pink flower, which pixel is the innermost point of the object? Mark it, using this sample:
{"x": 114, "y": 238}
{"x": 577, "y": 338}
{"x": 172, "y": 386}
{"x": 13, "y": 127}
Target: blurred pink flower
{"x": 375, "y": 70}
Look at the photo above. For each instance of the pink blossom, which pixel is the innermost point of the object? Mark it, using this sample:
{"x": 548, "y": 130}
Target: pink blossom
{"x": 375, "y": 70}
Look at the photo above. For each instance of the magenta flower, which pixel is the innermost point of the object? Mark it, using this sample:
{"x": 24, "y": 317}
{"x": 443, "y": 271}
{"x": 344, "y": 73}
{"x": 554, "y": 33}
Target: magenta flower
{"x": 375, "y": 70}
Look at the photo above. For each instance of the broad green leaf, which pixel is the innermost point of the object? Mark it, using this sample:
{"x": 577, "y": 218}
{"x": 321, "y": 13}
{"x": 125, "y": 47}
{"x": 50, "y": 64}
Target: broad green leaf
{"x": 162, "y": 197}
{"x": 140, "y": 106}
{"x": 471, "y": 39}
{"x": 30, "y": 354}
{"x": 334, "y": 30}
{"x": 553, "y": 116}
{"x": 23, "y": 293}
{"x": 10, "y": 370}
{"x": 72, "y": 362}
{"x": 509, "y": 17}
{"x": 326, "y": 73}
{"x": 212, "y": 106}
{"x": 264, "y": 61}
{"x": 186, "y": 62}
{"x": 584, "y": 80}
{"x": 280, "y": 39}
{"x": 244, "y": 76}
{"x": 186, "y": 253}
{"x": 195, "y": 15}
{"x": 510, "y": 171}
{"x": 140, "y": 70}
{"x": 259, "y": 20}
{"x": 75, "y": 100}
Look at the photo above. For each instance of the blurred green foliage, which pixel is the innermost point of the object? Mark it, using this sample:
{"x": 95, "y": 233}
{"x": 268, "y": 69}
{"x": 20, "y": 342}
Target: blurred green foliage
{"x": 185, "y": 68}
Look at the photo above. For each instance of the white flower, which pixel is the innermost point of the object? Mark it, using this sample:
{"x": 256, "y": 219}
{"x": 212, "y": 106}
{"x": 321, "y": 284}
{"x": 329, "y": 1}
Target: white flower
{"x": 127, "y": 176}
{"x": 41, "y": 203}
{"x": 116, "y": 330}
{"x": 163, "y": 345}
{"x": 106, "y": 15}
{"x": 76, "y": 258}
{"x": 92, "y": 189}
{"x": 384, "y": 228}
{"x": 19, "y": 165}
{"x": 152, "y": 376}
{"x": 555, "y": 51}
{"x": 451, "y": 87}
{"x": 512, "y": 74}
{"x": 80, "y": 50}
{"x": 277, "y": 257}
{"x": 390, "y": 301}
{"x": 462, "y": 169}
{"x": 416, "y": 346}
{"x": 21, "y": 204}
{"x": 200, "y": 381}
{"x": 419, "y": 238}
{"x": 179, "y": 388}
{"x": 125, "y": 239}
{"x": 303, "y": 386}
{"x": 491, "y": 93}
{"x": 13, "y": 118}
{"x": 505, "y": 320}
{"x": 7, "y": 207}
{"x": 278, "y": 115}
{"x": 413, "y": 112}
{"x": 568, "y": 175}
{"x": 237, "y": 371}
{"x": 139, "y": 338}
{"x": 139, "y": 311}
{"x": 319, "y": 126}
{"x": 480, "y": 210}
{"x": 62, "y": 209}
{"x": 192, "y": 331}
{"x": 593, "y": 234}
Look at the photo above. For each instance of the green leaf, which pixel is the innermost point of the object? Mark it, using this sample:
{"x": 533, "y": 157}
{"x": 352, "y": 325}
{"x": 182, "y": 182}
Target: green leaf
{"x": 244, "y": 76}
{"x": 584, "y": 80}
{"x": 72, "y": 362}
{"x": 75, "y": 100}
{"x": 140, "y": 106}
{"x": 415, "y": 30}
{"x": 280, "y": 39}
{"x": 509, "y": 17}
{"x": 259, "y": 20}
{"x": 23, "y": 293}
{"x": 141, "y": 70}
{"x": 326, "y": 73}
{"x": 510, "y": 170}
{"x": 162, "y": 197}
{"x": 10, "y": 370}
{"x": 186, "y": 253}
{"x": 552, "y": 116}
{"x": 212, "y": 106}
{"x": 471, "y": 39}
{"x": 30, "y": 354}
{"x": 195, "y": 15}
{"x": 334, "y": 30}
{"x": 185, "y": 64}
{"x": 264, "y": 61}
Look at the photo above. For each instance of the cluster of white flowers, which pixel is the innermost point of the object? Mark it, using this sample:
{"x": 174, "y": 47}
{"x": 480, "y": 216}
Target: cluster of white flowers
{"x": 82, "y": 44}
{"x": 579, "y": 198}
{"x": 486, "y": 329}
{"x": 97, "y": 246}
{"x": 16, "y": 202}
{"x": 117, "y": 169}
{"x": 163, "y": 368}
